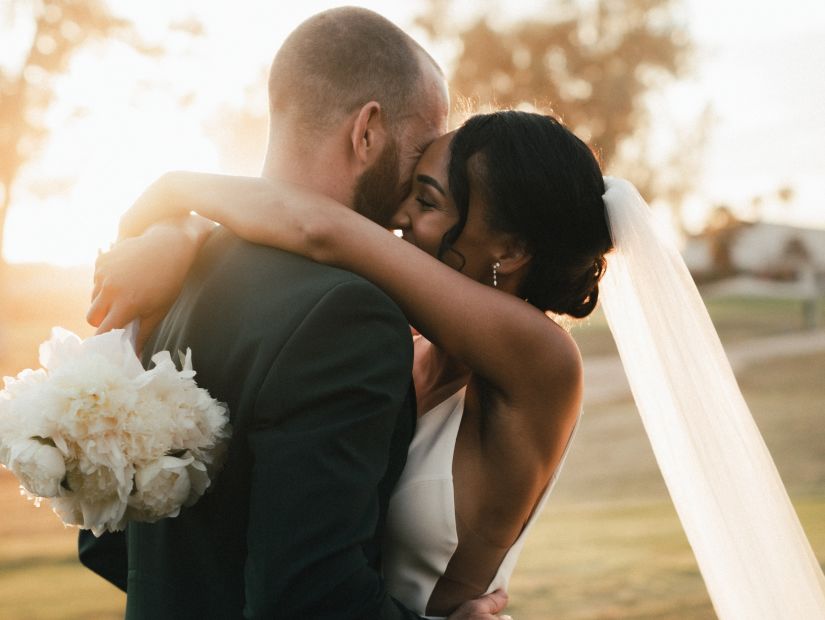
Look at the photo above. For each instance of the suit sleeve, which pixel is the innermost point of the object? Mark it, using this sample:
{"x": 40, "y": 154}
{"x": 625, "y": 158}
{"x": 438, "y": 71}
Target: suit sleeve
{"x": 324, "y": 418}
{"x": 104, "y": 555}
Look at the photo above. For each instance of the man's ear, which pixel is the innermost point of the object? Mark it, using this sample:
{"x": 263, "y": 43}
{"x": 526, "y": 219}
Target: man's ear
{"x": 512, "y": 254}
{"x": 369, "y": 134}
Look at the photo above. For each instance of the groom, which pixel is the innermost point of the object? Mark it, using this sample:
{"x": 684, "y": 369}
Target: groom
{"x": 313, "y": 362}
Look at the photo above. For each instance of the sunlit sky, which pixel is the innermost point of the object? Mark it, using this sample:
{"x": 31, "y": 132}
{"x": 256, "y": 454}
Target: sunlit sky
{"x": 120, "y": 119}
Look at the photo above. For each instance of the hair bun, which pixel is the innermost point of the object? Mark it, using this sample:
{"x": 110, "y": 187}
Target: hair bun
{"x": 583, "y": 292}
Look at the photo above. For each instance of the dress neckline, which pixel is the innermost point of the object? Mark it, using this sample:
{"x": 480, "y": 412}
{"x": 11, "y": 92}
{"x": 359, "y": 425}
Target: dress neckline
{"x": 447, "y": 405}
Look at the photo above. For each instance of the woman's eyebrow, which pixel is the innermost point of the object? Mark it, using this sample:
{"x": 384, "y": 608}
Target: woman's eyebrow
{"x": 428, "y": 180}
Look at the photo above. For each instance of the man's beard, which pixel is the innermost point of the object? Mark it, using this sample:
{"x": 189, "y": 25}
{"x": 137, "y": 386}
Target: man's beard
{"x": 377, "y": 190}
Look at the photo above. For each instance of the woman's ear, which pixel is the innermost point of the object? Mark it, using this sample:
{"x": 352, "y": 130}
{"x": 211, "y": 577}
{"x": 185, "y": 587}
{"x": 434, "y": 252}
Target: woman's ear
{"x": 512, "y": 255}
{"x": 369, "y": 134}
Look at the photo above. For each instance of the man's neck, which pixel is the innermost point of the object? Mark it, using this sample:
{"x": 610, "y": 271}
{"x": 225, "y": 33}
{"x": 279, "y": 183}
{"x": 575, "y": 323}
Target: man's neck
{"x": 315, "y": 167}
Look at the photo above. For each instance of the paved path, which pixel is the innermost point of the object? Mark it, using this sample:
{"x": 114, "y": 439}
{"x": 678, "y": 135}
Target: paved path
{"x": 605, "y": 381}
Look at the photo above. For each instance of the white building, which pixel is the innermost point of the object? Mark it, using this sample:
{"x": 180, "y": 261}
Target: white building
{"x": 757, "y": 248}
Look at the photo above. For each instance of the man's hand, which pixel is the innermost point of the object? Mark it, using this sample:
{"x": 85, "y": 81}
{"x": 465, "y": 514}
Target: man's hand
{"x": 485, "y": 607}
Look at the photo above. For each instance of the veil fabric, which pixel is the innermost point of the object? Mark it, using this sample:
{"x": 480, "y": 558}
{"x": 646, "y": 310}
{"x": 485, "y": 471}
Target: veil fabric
{"x": 750, "y": 547}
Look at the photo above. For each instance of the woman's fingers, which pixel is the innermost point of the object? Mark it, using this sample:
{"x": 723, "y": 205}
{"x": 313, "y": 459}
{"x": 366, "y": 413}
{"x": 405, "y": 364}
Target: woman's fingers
{"x": 118, "y": 316}
{"x": 95, "y": 290}
{"x": 99, "y": 308}
{"x": 107, "y": 315}
{"x": 485, "y": 607}
{"x": 495, "y": 601}
{"x": 100, "y": 272}
{"x": 147, "y": 326}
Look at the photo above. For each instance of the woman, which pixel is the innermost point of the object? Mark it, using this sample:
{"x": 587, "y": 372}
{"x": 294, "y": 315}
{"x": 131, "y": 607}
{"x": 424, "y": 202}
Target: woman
{"x": 511, "y": 201}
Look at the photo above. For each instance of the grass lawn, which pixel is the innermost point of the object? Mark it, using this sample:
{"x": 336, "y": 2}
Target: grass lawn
{"x": 620, "y": 560}
{"x": 735, "y": 319}
{"x": 608, "y": 546}
{"x": 40, "y": 577}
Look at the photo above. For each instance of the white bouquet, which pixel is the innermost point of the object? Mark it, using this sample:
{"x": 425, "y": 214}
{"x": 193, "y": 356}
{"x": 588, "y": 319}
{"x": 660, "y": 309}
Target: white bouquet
{"x": 105, "y": 440}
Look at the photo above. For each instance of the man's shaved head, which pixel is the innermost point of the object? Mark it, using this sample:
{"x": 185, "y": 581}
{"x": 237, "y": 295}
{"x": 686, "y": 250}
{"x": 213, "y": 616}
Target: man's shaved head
{"x": 338, "y": 60}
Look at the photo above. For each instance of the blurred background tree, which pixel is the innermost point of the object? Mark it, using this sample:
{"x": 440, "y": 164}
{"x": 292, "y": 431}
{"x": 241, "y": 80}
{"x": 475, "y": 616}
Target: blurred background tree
{"x": 59, "y": 29}
{"x": 597, "y": 64}
{"x": 594, "y": 64}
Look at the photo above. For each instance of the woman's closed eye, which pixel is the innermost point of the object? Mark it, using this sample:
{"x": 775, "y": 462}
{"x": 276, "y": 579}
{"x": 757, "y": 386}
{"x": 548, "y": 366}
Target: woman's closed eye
{"x": 425, "y": 204}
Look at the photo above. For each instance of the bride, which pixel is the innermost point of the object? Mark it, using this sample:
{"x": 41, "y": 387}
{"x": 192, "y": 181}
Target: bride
{"x": 509, "y": 222}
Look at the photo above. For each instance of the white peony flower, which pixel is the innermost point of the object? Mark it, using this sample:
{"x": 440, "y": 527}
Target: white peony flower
{"x": 39, "y": 466}
{"x": 132, "y": 443}
{"x": 199, "y": 481}
{"x": 93, "y": 500}
{"x": 161, "y": 488}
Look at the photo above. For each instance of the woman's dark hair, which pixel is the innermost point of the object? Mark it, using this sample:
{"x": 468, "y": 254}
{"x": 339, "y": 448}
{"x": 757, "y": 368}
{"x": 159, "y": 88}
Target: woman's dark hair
{"x": 543, "y": 185}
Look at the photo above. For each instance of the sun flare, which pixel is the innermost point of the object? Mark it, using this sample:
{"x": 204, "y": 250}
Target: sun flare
{"x": 120, "y": 119}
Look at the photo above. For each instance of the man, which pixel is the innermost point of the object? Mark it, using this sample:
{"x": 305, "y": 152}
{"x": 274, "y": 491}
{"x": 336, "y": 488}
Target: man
{"x": 313, "y": 362}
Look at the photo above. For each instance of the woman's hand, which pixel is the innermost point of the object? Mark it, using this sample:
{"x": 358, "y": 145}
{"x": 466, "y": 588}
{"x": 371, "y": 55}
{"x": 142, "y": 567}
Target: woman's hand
{"x": 486, "y": 607}
{"x": 140, "y": 277}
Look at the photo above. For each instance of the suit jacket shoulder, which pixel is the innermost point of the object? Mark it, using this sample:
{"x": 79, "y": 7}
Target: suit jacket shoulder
{"x": 243, "y": 302}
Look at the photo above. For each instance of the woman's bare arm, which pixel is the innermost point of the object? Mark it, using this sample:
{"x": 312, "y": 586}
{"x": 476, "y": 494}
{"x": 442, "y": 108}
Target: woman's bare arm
{"x": 503, "y": 339}
{"x": 531, "y": 363}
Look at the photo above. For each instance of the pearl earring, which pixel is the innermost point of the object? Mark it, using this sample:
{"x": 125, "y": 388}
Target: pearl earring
{"x": 495, "y": 273}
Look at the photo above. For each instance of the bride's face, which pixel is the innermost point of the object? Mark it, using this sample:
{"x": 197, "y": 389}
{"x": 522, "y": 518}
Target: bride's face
{"x": 426, "y": 215}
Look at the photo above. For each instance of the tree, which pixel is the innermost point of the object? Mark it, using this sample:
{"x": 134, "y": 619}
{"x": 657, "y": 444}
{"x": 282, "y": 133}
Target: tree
{"x": 60, "y": 29}
{"x": 722, "y": 230}
{"x": 754, "y": 206}
{"x": 785, "y": 194}
{"x": 592, "y": 64}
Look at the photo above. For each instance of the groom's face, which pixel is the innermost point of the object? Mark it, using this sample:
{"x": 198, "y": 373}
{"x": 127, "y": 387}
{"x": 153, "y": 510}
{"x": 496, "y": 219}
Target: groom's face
{"x": 381, "y": 189}
{"x": 378, "y": 190}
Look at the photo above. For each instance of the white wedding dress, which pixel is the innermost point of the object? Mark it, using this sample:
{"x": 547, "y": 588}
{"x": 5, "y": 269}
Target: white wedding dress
{"x": 421, "y": 534}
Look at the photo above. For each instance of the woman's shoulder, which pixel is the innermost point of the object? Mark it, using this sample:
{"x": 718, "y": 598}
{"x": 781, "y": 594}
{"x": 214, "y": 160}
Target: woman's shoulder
{"x": 566, "y": 365}
{"x": 535, "y": 421}
{"x": 550, "y": 410}
{"x": 548, "y": 368}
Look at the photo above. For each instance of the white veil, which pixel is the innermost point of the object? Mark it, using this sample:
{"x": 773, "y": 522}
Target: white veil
{"x": 748, "y": 542}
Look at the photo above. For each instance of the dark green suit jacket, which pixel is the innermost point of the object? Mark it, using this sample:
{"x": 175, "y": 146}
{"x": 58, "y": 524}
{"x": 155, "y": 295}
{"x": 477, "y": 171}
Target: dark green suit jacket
{"x": 315, "y": 366}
